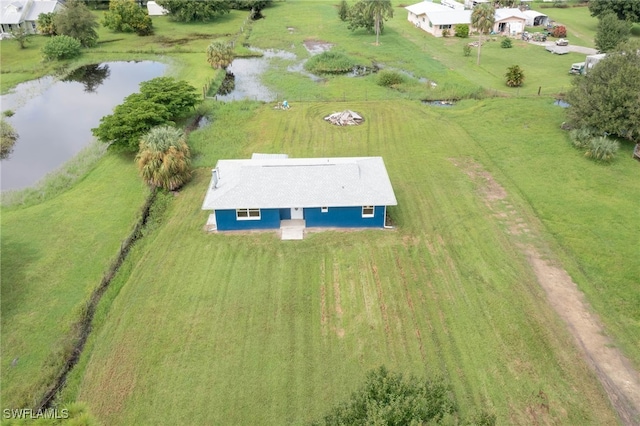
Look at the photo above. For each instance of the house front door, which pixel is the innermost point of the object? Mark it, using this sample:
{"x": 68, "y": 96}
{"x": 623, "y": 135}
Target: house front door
{"x": 297, "y": 213}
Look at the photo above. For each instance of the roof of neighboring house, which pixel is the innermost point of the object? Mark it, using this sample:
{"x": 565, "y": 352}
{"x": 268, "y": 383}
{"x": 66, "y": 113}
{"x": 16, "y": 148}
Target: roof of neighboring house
{"x": 532, "y": 13}
{"x": 12, "y": 11}
{"x": 41, "y": 6}
{"x": 299, "y": 182}
{"x": 506, "y": 13}
{"x": 439, "y": 14}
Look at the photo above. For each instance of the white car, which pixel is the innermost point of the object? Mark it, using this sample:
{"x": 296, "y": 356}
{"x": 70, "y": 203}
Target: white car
{"x": 562, "y": 42}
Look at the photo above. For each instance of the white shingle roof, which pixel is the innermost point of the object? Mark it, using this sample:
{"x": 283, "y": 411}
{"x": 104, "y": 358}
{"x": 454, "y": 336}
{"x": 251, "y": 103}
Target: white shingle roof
{"x": 39, "y": 7}
{"x": 12, "y": 12}
{"x": 300, "y": 182}
{"x": 505, "y": 13}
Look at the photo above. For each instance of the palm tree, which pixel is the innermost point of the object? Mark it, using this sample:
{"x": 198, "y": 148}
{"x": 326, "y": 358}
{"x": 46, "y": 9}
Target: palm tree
{"x": 482, "y": 19}
{"x": 164, "y": 160}
{"x": 220, "y": 54}
{"x": 379, "y": 10}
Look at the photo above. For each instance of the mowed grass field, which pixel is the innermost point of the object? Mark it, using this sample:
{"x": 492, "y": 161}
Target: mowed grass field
{"x": 53, "y": 255}
{"x": 248, "y": 329}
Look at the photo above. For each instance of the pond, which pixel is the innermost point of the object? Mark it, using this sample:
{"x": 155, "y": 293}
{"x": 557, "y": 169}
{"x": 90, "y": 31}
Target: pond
{"x": 247, "y": 72}
{"x": 54, "y": 118}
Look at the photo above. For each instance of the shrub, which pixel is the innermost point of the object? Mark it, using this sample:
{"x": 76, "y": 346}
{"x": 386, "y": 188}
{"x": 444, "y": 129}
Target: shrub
{"x": 388, "y": 78}
{"x": 515, "y": 76}
{"x": 445, "y": 33}
{"x": 330, "y": 63}
{"x": 506, "y": 43}
{"x": 635, "y": 30}
{"x": 602, "y": 149}
{"x": 462, "y": 30}
{"x": 559, "y": 31}
{"x": 466, "y": 50}
{"x": 61, "y": 47}
{"x": 581, "y": 137}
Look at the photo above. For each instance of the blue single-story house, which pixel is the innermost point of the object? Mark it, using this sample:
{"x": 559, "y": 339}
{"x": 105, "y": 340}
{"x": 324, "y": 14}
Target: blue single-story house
{"x": 267, "y": 190}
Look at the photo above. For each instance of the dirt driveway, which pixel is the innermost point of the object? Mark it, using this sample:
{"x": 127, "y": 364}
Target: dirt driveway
{"x": 619, "y": 379}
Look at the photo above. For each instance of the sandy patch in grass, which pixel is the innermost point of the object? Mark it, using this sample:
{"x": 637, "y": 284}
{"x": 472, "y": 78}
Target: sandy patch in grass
{"x": 613, "y": 369}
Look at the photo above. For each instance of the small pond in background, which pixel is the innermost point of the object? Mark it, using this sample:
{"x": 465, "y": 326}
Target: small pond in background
{"x": 247, "y": 72}
{"x": 54, "y": 118}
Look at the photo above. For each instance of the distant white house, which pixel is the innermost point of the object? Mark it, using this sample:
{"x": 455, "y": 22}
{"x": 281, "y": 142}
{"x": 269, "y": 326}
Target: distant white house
{"x": 24, "y": 14}
{"x": 155, "y": 9}
{"x": 434, "y": 18}
{"x": 535, "y": 19}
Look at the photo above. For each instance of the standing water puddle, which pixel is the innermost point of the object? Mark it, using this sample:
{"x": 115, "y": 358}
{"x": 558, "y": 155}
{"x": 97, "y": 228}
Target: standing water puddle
{"x": 54, "y": 118}
{"x": 247, "y": 72}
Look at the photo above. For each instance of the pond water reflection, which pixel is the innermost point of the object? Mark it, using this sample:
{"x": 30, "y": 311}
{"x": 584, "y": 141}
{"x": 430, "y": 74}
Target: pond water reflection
{"x": 247, "y": 72}
{"x": 54, "y": 118}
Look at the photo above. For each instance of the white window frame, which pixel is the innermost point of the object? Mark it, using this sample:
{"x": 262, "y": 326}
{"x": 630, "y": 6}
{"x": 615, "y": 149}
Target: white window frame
{"x": 324, "y": 209}
{"x": 251, "y": 214}
{"x": 373, "y": 211}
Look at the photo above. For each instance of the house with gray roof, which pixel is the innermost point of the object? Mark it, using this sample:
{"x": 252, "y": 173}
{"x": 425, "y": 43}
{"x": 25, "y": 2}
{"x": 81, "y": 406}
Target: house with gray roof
{"x": 270, "y": 191}
{"x": 15, "y": 14}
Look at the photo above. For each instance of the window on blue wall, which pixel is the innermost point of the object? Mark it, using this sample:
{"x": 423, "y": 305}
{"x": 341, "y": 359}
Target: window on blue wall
{"x": 248, "y": 214}
{"x": 324, "y": 209}
{"x": 368, "y": 211}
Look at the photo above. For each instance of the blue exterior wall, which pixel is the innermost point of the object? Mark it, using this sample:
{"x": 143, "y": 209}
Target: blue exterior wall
{"x": 226, "y": 220}
{"x": 345, "y": 217}
{"x": 341, "y": 217}
{"x": 285, "y": 214}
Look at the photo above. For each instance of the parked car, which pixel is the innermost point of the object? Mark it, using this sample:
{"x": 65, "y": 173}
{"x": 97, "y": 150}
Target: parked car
{"x": 577, "y": 68}
{"x": 562, "y": 42}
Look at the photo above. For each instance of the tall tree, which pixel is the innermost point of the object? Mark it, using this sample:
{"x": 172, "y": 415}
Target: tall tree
{"x": 192, "y": 11}
{"x": 482, "y": 19}
{"x": 77, "y": 21}
{"x": 611, "y": 32}
{"x": 628, "y": 10}
{"x": 8, "y": 138}
{"x": 127, "y": 16}
{"x": 177, "y": 96}
{"x": 370, "y": 14}
{"x": 606, "y": 99}
{"x": 164, "y": 160}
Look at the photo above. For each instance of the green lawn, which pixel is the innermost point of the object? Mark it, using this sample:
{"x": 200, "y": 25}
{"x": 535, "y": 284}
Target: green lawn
{"x": 246, "y": 329}
{"x": 53, "y": 255}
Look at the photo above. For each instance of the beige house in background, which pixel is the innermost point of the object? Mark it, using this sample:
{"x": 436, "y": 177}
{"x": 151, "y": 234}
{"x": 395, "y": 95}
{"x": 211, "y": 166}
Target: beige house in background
{"x": 509, "y": 21}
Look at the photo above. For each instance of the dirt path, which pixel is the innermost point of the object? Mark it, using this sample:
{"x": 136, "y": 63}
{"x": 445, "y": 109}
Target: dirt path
{"x": 613, "y": 369}
{"x": 570, "y": 47}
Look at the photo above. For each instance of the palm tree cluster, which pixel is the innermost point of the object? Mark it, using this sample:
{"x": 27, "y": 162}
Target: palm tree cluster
{"x": 220, "y": 54}
{"x": 164, "y": 160}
